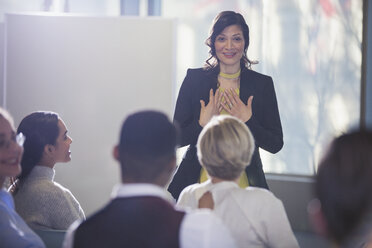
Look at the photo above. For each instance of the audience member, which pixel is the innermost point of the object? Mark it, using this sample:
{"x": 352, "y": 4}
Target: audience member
{"x": 14, "y": 232}
{"x": 141, "y": 213}
{"x": 42, "y": 202}
{"x": 254, "y": 215}
{"x": 342, "y": 209}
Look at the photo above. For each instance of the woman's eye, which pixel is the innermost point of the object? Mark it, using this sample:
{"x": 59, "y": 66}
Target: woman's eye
{"x": 238, "y": 38}
{"x": 220, "y": 38}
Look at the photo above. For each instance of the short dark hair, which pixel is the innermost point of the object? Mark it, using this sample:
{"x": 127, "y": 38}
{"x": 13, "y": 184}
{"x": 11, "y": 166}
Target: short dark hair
{"x": 221, "y": 21}
{"x": 148, "y": 142}
{"x": 344, "y": 182}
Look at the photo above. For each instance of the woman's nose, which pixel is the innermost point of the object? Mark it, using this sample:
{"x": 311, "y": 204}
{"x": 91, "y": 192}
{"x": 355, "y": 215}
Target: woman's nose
{"x": 229, "y": 44}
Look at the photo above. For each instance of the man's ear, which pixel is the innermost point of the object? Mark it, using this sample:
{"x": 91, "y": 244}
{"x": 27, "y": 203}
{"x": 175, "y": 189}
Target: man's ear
{"x": 115, "y": 153}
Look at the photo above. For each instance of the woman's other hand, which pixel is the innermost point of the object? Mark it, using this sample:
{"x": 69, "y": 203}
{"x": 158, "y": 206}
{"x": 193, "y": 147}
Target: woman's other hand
{"x": 234, "y": 106}
{"x": 213, "y": 107}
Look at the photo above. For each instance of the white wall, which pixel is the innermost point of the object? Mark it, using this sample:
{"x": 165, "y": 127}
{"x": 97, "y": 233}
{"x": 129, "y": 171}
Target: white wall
{"x": 93, "y": 71}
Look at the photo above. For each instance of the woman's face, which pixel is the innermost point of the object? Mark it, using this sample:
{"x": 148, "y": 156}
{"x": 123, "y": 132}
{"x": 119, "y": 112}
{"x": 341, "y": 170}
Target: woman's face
{"x": 229, "y": 46}
{"x": 62, "y": 147}
{"x": 10, "y": 151}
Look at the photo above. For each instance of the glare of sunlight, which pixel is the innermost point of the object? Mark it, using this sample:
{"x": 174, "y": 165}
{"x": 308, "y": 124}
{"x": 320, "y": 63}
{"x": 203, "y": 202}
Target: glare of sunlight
{"x": 311, "y": 102}
{"x": 253, "y": 18}
{"x": 271, "y": 32}
{"x": 271, "y": 163}
{"x": 180, "y": 153}
{"x": 338, "y": 115}
{"x": 186, "y": 43}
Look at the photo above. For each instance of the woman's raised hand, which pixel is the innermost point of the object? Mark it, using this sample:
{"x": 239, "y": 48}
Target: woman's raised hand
{"x": 213, "y": 107}
{"x": 234, "y": 106}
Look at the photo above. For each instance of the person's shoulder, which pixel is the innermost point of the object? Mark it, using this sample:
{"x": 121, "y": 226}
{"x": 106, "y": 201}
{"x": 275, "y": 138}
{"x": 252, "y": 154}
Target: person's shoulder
{"x": 193, "y": 190}
{"x": 200, "y": 72}
{"x": 254, "y": 74}
{"x": 261, "y": 195}
{"x": 34, "y": 187}
{"x": 50, "y": 190}
{"x": 193, "y": 187}
{"x": 195, "y": 70}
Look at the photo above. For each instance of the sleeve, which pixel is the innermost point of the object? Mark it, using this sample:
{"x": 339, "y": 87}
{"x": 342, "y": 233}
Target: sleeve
{"x": 268, "y": 132}
{"x": 65, "y": 208}
{"x": 15, "y": 233}
{"x": 187, "y": 199}
{"x": 184, "y": 115}
{"x": 278, "y": 230}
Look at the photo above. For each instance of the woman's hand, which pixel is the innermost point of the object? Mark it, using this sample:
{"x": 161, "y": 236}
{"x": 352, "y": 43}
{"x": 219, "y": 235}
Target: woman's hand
{"x": 234, "y": 106}
{"x": 213, "y": 107}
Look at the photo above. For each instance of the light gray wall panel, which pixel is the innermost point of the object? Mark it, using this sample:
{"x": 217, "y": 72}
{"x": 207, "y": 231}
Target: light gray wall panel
{"x": 93, "y": 71}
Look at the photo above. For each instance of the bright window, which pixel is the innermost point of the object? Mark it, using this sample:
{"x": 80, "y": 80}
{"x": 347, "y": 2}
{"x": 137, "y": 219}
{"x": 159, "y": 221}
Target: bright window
{"x": 312, "y": 50}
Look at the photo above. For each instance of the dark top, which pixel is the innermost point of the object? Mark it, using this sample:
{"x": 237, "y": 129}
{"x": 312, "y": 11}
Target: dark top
{"x": 146, "y": 222}
{"x": 264, "y": 124}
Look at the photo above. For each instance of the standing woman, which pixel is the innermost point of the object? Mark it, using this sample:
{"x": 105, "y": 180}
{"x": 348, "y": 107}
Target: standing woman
{"x": 14, "y": 232}
{"x": 43, "y": 203}
{"x": 226, "y": 85}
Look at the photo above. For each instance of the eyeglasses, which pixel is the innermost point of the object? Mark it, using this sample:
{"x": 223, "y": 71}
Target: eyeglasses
{"x": 19, "y": 139}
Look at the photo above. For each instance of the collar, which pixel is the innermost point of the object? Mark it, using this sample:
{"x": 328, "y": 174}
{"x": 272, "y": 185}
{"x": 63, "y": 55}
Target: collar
{"x": 140, "y": 189}
{"x": 213, "y": 187}
{"x": 42, "y": 172}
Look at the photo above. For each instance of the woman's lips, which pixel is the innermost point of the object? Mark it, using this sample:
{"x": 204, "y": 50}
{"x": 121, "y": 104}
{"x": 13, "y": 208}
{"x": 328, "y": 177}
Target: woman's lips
{"x": 229, "y": 55}
{"x": 10, "y": 161}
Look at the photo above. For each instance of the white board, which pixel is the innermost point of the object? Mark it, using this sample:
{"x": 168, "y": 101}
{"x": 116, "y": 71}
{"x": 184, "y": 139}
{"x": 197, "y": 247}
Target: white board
{"x": 93, "y": 71}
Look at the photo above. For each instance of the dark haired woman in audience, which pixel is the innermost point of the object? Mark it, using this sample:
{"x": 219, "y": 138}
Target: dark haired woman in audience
{"x": 226, "y": 85}
{"x": 14, "y": 232}
{"x": 43, "y": 203}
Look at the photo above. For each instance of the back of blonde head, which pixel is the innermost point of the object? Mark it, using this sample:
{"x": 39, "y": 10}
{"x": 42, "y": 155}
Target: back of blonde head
{"x": 225, "y": 147}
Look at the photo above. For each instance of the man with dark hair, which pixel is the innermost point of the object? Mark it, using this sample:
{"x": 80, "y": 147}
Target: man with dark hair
{"x": 141, "y": 214}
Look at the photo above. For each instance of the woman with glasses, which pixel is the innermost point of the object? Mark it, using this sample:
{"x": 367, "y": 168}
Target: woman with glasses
{"x": 14, "y": 232}
{"x": 42, "y": 202}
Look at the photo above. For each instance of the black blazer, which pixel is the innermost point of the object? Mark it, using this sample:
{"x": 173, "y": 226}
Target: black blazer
{"x": 146, "y": 222}
{"x": 264, "y": 124}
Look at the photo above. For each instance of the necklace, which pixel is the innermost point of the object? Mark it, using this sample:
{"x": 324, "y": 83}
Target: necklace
{"x": 230, "y": 76}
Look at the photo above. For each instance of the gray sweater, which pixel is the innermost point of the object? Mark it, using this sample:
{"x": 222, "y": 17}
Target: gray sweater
{"x": 45, "y": 204}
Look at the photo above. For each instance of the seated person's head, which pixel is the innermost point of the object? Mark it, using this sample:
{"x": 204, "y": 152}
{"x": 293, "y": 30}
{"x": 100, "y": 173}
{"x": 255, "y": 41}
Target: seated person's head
{"x": 10, "y": 148}
{"x": 343, "y": 185}
{"x": 47, "y": 142}
{"x": 225, "y": 147}
{"x": 147, "y": 148}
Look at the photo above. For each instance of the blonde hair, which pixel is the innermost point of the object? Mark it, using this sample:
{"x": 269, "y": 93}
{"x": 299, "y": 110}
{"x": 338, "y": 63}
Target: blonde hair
{"x": 225, "y": 147}
{"x": 5, "y": 114}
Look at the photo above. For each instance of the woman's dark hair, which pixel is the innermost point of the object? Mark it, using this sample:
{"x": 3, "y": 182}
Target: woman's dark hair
{"x": 221, "y": 21}
{"x": 344, "y": 182}
{"x": 40, "y": 129}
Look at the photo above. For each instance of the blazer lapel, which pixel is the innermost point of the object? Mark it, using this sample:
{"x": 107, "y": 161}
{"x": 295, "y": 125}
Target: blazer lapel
{"x": 245, "y": 87}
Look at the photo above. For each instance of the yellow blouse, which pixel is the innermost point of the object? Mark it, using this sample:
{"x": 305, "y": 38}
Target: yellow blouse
{"x": 243, "y": 180}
